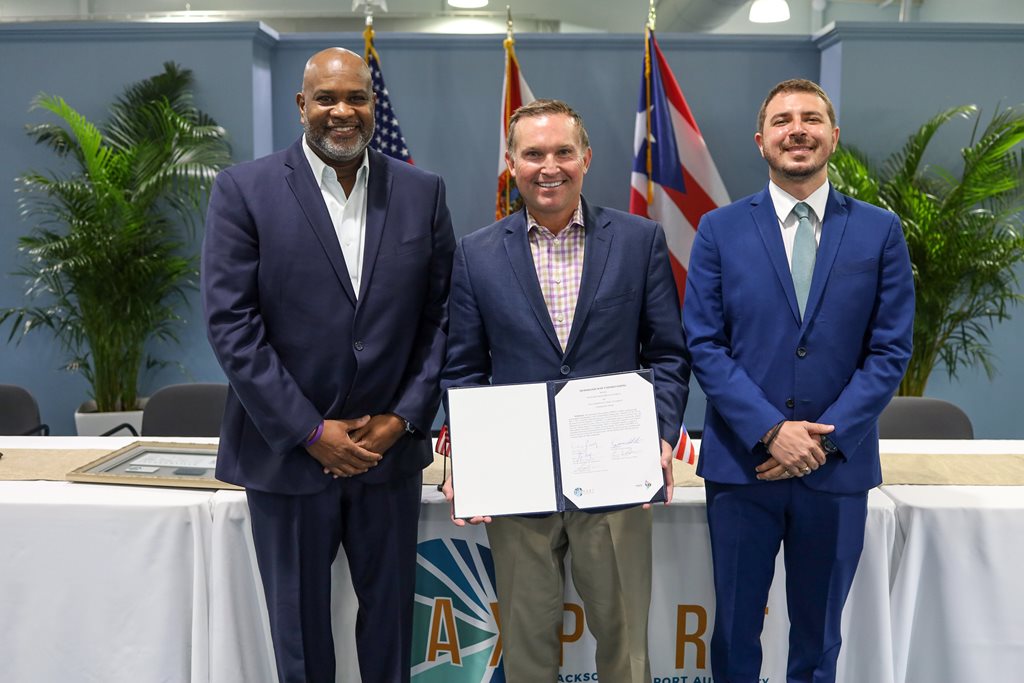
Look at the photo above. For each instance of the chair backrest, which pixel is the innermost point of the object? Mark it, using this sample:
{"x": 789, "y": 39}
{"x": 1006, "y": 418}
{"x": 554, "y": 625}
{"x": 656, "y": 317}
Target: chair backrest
{"x": 185, "y": 410}
{"x": 19, "y": 413}
{"x": 917, "y": 417}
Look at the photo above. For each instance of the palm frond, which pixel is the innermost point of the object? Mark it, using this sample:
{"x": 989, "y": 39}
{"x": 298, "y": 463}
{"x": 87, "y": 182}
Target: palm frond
{"x": 903, "y": 166}
{"x": 963, "y": 232}
{"x": 851, "y": 173}
{"x": 106, "y": 266}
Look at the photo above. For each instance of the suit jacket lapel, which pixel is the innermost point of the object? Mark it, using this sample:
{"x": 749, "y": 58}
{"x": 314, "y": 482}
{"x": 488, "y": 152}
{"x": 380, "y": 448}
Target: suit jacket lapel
{"x": 763, "y": 212}
{"x": 518, "y": 249}
{"x": 832, "y": 231}
{"x": 378, "y": 193}
{"x": 595, "y": 256}
{"x": 306, "y": 189}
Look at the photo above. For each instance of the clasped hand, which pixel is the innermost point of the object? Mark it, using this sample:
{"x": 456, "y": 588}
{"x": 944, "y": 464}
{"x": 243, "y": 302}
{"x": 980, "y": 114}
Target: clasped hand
{"x": 796, "y": 451}
{"x": 351, "y": 447}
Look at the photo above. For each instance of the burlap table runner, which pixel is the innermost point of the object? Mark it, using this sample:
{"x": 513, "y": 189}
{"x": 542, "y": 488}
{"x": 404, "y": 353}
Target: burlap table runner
{"x": 19, "y": 464}
{"x": 897, "y": 468}
{"x": 956, "y": 470}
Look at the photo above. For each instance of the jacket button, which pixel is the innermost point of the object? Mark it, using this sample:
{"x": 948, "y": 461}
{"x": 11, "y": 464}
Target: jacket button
{"x": 564, "y": 369}
{"x": 358, "y": 345}
{"x": 801, "y": 352}
{"x": 790, "y": 403}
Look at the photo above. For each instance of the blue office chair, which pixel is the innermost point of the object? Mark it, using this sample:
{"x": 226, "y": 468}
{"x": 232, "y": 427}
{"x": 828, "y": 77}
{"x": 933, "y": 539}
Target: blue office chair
{"x": 19, "y": 413}
{"x": 194, "y": 409}
{"x": 917, "y": 417}
{"x": 185, "y": 410}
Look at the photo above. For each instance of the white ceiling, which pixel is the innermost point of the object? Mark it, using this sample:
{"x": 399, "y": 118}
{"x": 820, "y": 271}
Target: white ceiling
{"x": 543, "y": 16}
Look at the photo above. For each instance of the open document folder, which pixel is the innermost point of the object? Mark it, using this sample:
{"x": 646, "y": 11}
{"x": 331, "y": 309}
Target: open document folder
{"x": 549, "y": 446}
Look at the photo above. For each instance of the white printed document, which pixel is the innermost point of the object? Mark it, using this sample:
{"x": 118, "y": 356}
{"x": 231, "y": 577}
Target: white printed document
{"x": 583, "y": 443}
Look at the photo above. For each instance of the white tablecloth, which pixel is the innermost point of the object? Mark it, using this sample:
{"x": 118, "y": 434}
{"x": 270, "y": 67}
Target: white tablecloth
{"x": 958, "y": 593}
{"x": 103, "y": 583}
{"x": 452, "y": 567}
{"x": 117, "y": 583}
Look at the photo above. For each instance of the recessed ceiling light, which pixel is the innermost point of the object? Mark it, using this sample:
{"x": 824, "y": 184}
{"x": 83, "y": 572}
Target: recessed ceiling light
{"x": 767, "y": 11}
{"x": 468, "y": 4}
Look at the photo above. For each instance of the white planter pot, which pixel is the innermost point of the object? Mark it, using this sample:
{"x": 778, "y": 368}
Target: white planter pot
{"x": 88, "y": 422}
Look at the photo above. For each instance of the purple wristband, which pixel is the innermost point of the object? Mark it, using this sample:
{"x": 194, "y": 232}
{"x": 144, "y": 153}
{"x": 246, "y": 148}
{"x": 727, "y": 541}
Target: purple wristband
{"x": 317, "y": 433}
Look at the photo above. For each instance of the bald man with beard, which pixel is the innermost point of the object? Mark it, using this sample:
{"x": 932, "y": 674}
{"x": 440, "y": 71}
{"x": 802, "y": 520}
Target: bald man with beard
{"x": 325, "y": 277}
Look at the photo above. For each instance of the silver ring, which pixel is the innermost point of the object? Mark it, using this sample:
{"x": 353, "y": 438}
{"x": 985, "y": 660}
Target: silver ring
{"x": 806, "y": 470}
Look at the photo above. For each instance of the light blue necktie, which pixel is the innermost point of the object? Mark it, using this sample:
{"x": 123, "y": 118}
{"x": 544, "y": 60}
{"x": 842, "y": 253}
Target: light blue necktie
{"x": 805, "y": 249}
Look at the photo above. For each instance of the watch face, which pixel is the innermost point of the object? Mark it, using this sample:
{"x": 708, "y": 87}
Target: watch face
{"x": 828, "y": 446}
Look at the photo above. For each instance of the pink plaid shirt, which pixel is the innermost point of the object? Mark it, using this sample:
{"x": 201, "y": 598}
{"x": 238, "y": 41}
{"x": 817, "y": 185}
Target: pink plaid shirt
{"x": 559, "y": 263}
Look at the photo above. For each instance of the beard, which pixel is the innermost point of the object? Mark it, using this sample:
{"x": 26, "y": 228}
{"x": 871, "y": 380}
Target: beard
{"x": 794, "y": 170}
{"x": 339, "y": 153}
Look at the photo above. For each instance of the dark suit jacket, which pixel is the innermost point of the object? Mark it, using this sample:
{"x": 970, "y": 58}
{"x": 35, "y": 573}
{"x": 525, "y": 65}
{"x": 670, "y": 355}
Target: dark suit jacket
{"x": 295, "y": 342}
{"x": 627, "y": 312}
{"x": 759, "y": 363}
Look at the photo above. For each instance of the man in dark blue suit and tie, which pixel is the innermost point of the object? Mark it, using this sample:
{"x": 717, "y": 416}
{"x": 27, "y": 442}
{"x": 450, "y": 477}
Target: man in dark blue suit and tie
{"x": 325, "y": 277}
{"x": 799, "y": 313}
{"x": 558, "y": 290}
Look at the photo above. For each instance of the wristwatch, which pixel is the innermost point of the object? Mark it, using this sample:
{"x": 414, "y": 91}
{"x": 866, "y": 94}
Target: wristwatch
{"x": 828, "y": 445}
{"x": 409, "y": 429}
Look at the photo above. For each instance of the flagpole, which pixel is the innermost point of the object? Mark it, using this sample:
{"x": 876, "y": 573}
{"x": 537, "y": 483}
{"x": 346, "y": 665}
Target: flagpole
{"x": 368, "y": 48}
{"x": 514, "y": 93}
{"x": 648, "y": 36}
{"x": 387, "y": 136}
{"x": 510, "y": 56}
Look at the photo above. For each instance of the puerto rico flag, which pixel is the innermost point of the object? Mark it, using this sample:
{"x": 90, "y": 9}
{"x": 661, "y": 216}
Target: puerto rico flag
{"x": 674, "y": 180}
{"x": 684, "y": 448}
{"x": 514, "y": 94}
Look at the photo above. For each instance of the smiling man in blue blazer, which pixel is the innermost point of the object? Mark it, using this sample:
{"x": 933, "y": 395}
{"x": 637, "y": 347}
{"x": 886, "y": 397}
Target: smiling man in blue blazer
{"x": 799, "y": 314}
{"x": 558, "y": 290}
{"x": 325, "y": 277}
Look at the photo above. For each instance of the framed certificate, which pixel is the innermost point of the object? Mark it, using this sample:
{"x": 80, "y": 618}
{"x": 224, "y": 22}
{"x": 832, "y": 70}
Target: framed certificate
{"x": 149, "y": 463}
{"x": 575, "y": 444}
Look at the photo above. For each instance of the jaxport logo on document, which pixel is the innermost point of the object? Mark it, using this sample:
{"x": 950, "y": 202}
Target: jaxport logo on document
{"x": 455, "y": 625}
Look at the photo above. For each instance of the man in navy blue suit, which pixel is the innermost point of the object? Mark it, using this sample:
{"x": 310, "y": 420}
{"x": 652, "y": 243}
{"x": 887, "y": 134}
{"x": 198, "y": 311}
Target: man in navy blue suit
{"x": 567, "y": 289}
{"x": 325, "y": 276}
{"x": 799, "y": 313}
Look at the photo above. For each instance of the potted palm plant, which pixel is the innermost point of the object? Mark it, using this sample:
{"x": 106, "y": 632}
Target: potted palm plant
{"x": 107, "y": 264}
{"x": 963, "y": 230}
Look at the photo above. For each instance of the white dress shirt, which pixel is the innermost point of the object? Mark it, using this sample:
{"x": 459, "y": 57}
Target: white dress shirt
{"x": 348, "y": 213}
{"x": 784, "y": 203}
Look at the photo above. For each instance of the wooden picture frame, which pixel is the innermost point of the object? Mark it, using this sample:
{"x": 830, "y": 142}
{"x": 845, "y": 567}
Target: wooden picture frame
{"x": 152, "y": 463}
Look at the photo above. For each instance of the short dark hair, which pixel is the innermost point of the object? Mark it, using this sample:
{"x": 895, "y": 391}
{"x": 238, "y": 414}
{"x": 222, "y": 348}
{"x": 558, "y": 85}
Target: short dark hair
{"x": 545, "y": 108}
{"x": 796, "y": 85}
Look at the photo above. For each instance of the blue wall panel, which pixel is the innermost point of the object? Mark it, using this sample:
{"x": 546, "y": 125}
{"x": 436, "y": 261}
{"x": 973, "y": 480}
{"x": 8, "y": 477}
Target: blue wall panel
{"x": 446, "y": 90}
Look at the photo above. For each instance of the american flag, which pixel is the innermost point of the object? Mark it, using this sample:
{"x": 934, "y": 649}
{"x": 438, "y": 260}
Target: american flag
{"x": 387, "y": 137}
{"x": 514, "y": 94}
{"x": 674, "y": 179}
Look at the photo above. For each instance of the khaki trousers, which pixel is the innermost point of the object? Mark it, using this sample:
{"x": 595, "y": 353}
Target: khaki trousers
{"x": 611, "y": 570}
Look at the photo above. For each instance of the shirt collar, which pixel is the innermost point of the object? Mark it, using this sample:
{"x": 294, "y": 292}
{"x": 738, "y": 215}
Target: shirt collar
{"x": 784, "y": 202}
{"x": 575, "y": 220}
{"x": 318, "y": 166}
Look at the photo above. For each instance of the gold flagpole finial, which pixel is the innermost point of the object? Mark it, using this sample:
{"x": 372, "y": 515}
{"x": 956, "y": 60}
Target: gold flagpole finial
{"x": 652, "y": 16}
{"x": 368, "y": 32}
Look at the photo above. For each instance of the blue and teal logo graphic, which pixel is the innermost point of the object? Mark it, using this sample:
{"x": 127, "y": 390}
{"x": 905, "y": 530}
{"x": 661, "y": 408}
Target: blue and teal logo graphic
{"x": 455, "y": 624}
